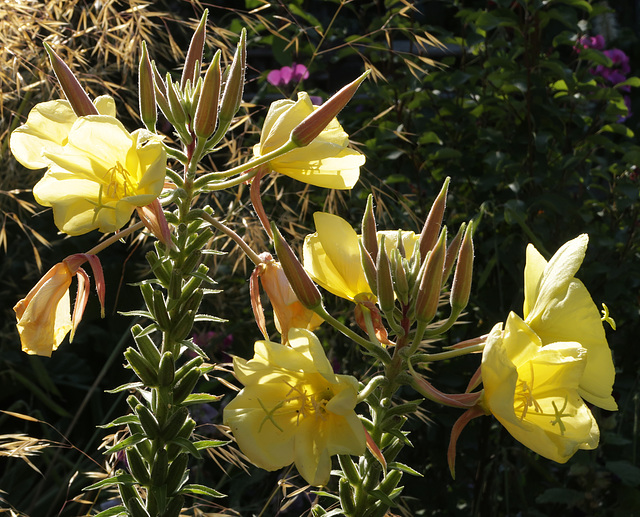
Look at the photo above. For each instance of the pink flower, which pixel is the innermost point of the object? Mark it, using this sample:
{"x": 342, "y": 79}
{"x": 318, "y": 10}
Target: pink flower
{"x": 288, "y": 74}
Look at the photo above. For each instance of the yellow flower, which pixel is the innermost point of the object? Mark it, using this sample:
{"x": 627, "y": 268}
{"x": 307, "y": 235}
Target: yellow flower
{"x": 47, "y": 130}
{"x": 532, "y": 389}
{"x": 558, "y": 307}
{"x": 294, "y": 409}
{"x": 332, "y": 257}
{"x": 44, "y": 315}
{"x": 325, "y": 162}
{"x": 98, "y": 172}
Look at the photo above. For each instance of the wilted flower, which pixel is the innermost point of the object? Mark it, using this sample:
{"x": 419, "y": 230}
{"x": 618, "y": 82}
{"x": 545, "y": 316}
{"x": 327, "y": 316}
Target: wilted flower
{"x": 558, "y": 308}
{"x": 325, "y": 162}
{"x": 294, "y": 409}
{"x": 98, "y": 172}
{"x": 533, "y": 390}
{"x": 288, "y": 312}
{"x": 44, "y": 315}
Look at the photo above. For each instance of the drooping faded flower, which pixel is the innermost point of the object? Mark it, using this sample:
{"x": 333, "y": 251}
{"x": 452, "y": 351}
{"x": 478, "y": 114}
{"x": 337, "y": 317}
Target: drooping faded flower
{"x": 44, "y": 315}
{"x": 294, "y": 409}
{"x": 98, "y": 172}
{"x": 325, "y": 162}
{"x": 558, "y": 308}
{"x": 533, "y": 390}
{"x": 288, "y": 312}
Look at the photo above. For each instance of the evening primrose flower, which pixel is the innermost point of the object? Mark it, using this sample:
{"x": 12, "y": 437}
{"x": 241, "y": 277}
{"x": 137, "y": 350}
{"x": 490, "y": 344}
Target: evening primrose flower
{"x": 533, "y": 390}
{"x": 294, "y": 409}
{"x": 325, "y": 162}
{"x": 332, "y": 255}
{"x": 98, "y": 172}
{"x": 44, "y": 315}
{"x": 47, "y": 130}
{"x": 558, "y": 307}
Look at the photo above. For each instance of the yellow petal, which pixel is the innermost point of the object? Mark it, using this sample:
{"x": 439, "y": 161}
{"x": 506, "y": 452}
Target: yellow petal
{"x": 46, "y": 130}
{"x": 332, "y": 257}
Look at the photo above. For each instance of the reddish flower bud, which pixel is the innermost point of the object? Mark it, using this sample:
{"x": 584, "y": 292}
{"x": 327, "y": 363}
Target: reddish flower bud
{"x": 206, "y": 116}
{"x": 313, "y": 125}
{"x": 431, "y": 282}
{"x": 431, "y": 228}
{"x": 369, "y": 233}
{"x": 300, "y": 281}
{"x": 232, "y": 96}
{"x": 73, "y": 91}
{"x": 146, "y": 91}
{"x": 194, "y": 54}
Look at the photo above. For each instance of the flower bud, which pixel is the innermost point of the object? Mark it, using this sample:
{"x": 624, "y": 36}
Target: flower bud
{"x": 194, "y": 54}
{"x": 161, "y": 92}
{"x": 232, "y": 96}
{"x": 386, "y": 298}
{"x": 431, "y": 282}
{"x": 206, "y": 116}
{"x": 400, "y": 283}
{"x": 306, "y": 132}
{"x": 146, "y": 91}
{"x": 431, "y": 228}
{"x": 461, "y": 286}
{"x": 369, "y": 234}
{"x": 73, "y": 91}
{"x": 178, "y": 116}
{"x": 369, "y": 268}
{"x": 301, "y": 283}
{"x": 452, "y": 252}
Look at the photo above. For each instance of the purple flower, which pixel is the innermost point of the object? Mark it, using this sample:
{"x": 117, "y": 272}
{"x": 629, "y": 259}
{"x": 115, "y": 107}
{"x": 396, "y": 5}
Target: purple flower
{"x": 287, "y": 74}
{"x": 619, "y": 58}
{"x": 595, "y": 42}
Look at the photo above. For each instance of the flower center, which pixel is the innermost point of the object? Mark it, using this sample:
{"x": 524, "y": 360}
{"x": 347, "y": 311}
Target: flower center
{"x": 118, "y": 182}
{"x": 524, "y": 400}
{"x": 299, "y": 403}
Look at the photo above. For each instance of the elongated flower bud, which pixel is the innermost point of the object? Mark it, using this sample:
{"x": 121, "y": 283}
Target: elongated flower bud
{"x": 306, "y": 132}
{"x": 300, "y": 281}
{"x": 452, "y": 252}
{"x": 386, "y": 298}
{"x": 178, "y": 115}
{"x": 206, "y": 116}
{"x": 194, "y": 54}
{"x": 146, "y": 91}
{"x": 369, "y": 234}
{"x": 431, "y": 282}
{"x": 369, "y": 268}
{"x": 461, "y": 286}
{"x": 73, "y": 91}
{"x": 232, "y": 96}
{"x": 431, "y": 228}
{"x": 161, "y": 92}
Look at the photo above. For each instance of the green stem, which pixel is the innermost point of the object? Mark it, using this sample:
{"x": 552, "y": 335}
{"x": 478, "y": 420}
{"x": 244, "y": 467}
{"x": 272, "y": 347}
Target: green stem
{"x": 233, "y": 235}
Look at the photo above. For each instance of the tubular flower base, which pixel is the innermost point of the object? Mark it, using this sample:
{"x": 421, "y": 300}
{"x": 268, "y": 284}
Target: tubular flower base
{"x": 558, "y": 307}
{"x": 98, "y": 173}
{"x": 532, "y": 389}
{"x": 294, "y": 409}
{"x": 325, "y": 162}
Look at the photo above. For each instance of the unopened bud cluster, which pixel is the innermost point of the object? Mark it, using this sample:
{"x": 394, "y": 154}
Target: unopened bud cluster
{"x": 197, "y": 106}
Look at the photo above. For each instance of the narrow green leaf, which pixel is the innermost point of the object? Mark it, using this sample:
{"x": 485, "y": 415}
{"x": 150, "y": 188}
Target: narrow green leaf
{"x": 201, "y": 490}
{"x": 120, "y": 479}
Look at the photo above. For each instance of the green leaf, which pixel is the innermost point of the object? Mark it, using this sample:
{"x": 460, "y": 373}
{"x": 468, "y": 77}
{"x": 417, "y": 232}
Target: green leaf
{"x": 561, "y": 496}
{"x": 120, "y": 479}
{"x": 634, "y": 82}
{"x": 209, "y": 317}
{"x": 127, "y": 442}
{"x": 210, "y": 444}
{"x": 113, "y": 511}
{"x": 200, "y": 398}
{"x": 187, "y": 445}
{"x": 126, "y": 387}
{"x": 629, "y": 474}
{"x": 404, "y": 468}
{"x": 200, "y": 490}
{"x": 121, "y": 420}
